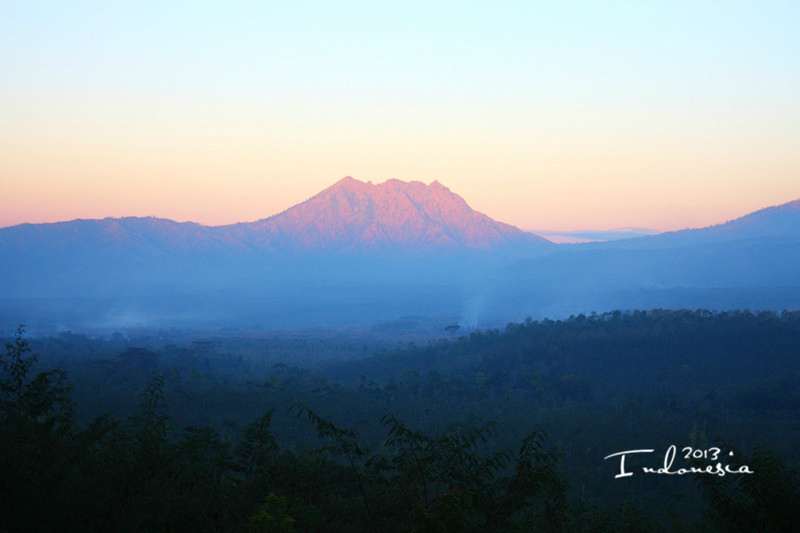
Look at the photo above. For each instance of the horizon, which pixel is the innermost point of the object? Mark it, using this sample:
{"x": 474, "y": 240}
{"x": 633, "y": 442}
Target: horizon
{"x": 571, "y": 117}
{"x": 555, "y": 235}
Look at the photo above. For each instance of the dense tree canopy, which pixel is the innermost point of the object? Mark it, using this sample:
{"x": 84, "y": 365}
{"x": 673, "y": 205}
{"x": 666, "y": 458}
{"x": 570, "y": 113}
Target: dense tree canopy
{"x": 495, "y": 431}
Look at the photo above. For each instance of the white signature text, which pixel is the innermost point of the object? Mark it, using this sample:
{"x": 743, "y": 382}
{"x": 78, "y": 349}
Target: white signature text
{"x": 715, "y": 467}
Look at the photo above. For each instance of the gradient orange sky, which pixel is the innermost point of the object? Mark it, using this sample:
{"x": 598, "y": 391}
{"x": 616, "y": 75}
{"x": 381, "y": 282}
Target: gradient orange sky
{"x": 565, "y": 117}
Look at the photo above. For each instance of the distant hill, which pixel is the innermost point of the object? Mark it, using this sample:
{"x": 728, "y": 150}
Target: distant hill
{"x": 358, "y": 252}
{"x": 777, "y": 222}
{"x": 750, "y": 262}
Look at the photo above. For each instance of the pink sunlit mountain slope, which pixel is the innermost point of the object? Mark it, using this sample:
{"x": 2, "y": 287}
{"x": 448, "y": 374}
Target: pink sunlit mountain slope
{"x": 349, "y": 216}
{"x": 360, "y": 252}
{"x": 393, "y": 216}
{"x": 393, "y": 223}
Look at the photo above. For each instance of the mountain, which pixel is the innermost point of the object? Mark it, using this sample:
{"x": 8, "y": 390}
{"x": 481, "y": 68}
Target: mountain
{"x": 750, "y": 262}
{"x": 395, "y": 216}
{"x": 349, "y": 216}
{"x": 130, "y": 236}
{"x": 358, "y": 252}
{"x": 779, "y": 223}
{"x": 777, "y": 220}
{"x": 353, "y": 232}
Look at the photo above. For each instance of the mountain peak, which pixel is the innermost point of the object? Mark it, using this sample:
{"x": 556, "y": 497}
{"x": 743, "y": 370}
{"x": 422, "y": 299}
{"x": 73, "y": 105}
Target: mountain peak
{"x": 395, "y": 215}
{"x": 350, "y": 183}
{"x": 347, "y": 182}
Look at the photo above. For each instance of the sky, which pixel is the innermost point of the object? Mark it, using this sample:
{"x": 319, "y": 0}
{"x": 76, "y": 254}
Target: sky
{"x": 546, "y": 115}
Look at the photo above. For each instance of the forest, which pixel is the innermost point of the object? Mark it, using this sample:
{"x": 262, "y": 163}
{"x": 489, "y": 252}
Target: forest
{"x": 495, "y": 430}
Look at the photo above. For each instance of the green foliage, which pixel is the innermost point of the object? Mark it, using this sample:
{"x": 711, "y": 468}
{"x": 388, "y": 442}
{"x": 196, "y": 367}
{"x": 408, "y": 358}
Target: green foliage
{"x": 767, "y": 500}
{"x": 415, "y": 452}
{"x": 35, "y": 431}
{"x": 150, "y": 423}
{"x": 341, "y": 442}
{"x": 43, "y": 398}
{"x": 257, "y": 446}
{"x": 271, "y": 516}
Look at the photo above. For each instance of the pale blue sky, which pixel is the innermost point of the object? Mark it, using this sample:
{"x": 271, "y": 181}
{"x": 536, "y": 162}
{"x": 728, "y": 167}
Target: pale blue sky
{"x": 559, "y": 115}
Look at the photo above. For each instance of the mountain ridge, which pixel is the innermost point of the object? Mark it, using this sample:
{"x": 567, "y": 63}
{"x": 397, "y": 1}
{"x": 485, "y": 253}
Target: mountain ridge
{"x": 348, "y": 216}
{"x": 781, "y": 220}
{"x": 363, "y": 252}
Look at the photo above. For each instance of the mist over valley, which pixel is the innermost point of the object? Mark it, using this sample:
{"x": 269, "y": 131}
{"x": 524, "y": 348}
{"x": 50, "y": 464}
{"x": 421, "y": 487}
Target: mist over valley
{"x": 359, "y": 253}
